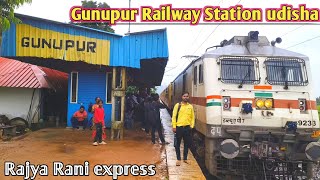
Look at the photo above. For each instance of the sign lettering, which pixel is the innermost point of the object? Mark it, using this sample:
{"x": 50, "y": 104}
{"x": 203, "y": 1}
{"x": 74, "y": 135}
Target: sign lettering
{"x": 58, "y": 44}
{"x": 233, "y": 120}
{"x": 69, "y": 46}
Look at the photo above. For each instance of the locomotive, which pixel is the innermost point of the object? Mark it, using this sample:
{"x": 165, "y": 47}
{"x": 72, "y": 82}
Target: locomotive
{"x": 255, "y": 111}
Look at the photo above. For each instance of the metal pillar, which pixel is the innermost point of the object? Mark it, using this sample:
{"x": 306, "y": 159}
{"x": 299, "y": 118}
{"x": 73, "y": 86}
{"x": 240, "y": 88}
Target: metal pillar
{"x": 117, "y": 126}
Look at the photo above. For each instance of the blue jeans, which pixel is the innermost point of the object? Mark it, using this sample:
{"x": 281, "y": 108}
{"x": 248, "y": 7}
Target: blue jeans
{"x": 98, "y": 137}
{"x": 76, "y": 123}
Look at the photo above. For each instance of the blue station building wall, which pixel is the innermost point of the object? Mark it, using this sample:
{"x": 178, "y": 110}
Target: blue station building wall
{"x": 90, "y": 86}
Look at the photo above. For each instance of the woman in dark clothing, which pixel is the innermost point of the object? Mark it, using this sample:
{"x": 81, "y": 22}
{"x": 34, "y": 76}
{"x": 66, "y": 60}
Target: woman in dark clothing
{"x": 156, "y": 120}
{"x": 147, "y": 114}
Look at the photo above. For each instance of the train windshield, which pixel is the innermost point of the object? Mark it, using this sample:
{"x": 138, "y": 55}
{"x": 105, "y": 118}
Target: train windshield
{"x": 239, "y": 70}
{"x": 286, "y": 71}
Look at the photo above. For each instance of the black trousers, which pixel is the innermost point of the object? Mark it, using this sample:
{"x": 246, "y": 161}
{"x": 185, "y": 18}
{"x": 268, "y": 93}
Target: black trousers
{"x": 98, "y": 137}
{"x": 153, "y": 136}
{"x": 185, "y": 134}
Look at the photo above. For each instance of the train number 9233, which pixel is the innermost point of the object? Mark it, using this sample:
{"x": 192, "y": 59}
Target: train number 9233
{"x": 306, "y": 123}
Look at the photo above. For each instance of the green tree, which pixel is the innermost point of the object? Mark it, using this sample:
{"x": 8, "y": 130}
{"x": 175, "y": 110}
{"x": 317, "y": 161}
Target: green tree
{"x": 132, "y": 89}
{"x": 153, "y": 90}
{"x": 318, "y": 100}
{"x": 7, "y": 8}
{"x": 99, "y": 25}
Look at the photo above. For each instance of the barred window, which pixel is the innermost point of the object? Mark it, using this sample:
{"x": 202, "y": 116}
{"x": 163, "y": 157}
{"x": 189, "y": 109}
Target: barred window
{"x": 239, "y": 70}
{"x": 74, "y": 87}
{"x": 109, "y": 88}
{"x": 195, "y": 75}
{"x": 286, "y": 71}
{"x": 200, "y": 74}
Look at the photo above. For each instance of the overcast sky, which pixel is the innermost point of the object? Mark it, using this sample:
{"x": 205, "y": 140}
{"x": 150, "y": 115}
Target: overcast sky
{"x": 193, "y": 40}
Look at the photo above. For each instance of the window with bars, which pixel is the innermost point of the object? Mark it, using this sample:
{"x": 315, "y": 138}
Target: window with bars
{"x": 109, "y": 88}
{"x": 195, "y": 75}
{"x": 74, "y": 87}
{"x": 200, "y": 74}
{"x": 239, "y": 70}
{"x": 286, "y": 71}
{"x": 184, "y": 88}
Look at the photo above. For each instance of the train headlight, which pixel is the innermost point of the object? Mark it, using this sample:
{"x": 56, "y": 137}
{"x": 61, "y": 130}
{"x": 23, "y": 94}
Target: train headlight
{"x": 263, "y": 103}
{"x": 268, "y": 103}
{"x": 260, "y": 103}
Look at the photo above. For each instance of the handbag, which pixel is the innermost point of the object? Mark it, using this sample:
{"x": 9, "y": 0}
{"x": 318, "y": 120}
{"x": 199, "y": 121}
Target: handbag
{"x": 175, "y": 141}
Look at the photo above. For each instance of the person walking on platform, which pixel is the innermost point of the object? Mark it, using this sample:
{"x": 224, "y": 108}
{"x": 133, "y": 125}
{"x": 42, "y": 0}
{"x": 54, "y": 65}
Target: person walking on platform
{"x": 182, "y": 124}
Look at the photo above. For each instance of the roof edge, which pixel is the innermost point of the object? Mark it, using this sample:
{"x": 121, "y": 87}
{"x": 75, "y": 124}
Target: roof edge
{"x": 66, "y": 24}
{"x": 150, "y": 31}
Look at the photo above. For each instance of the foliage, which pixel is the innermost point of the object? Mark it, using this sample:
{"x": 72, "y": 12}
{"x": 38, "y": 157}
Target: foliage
{"x": 153, "y": 90}
{"x": 318, "y": 110}
{"x": 99, "y": 25}
{"x": 132, "y": 89}
{"x": 7, "y": 8}
{"x": 135, "y": 90}
{"x": 318, "y": 100}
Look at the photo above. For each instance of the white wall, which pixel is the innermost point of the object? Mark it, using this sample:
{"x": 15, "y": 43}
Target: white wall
{"x": 15, "y": 102}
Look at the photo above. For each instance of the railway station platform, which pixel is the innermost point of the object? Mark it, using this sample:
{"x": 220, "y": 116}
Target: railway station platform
{"x": 189, "y": 171}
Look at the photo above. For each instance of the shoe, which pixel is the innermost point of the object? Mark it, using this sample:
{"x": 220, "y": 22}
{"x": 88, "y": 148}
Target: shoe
{"x": 178, "y": 163}
{"x": 186, "y": 161}
{"x": 95, "y": 144}
{"x": 103, "y": 142}
{"x": 165, "y": 143}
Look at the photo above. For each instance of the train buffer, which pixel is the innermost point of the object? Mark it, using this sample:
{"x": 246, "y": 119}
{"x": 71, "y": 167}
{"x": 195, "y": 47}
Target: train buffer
{"x": 189, "y": 171}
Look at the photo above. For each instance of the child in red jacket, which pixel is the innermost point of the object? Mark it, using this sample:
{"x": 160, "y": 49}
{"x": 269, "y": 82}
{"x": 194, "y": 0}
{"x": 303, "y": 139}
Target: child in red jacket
{"x": 99, "y": 123}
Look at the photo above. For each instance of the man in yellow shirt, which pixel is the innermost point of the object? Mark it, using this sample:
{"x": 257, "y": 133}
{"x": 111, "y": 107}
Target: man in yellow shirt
{"x": 182, "y": 124}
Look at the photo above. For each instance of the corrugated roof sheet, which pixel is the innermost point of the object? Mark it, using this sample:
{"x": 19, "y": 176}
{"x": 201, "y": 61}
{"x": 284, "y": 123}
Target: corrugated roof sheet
{"x": 125, "y": 51}
{"x": 17, "y": 74}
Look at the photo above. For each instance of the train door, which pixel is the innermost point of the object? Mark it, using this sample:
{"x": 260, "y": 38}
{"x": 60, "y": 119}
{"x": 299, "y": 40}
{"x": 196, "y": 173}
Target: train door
{"x": 195, "y": 88}
{"x": 194, "y": 82}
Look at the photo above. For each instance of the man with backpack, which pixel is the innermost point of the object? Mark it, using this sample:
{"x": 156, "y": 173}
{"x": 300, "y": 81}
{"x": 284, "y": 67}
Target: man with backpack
{"x": 182, "y": 124}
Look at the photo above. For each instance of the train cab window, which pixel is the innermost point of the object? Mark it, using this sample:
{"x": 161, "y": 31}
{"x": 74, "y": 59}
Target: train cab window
{"x": 286, "y": 71}
{"x": 195, "y": 75}
{"x": 239, "y": 70}
{"x": 200, "y": 74}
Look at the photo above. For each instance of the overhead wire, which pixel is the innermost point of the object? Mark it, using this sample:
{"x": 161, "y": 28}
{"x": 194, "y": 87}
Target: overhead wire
{"x": 303, "y": 42}
{"x": 211, "y": 32}
{"x": 172, "y": 68}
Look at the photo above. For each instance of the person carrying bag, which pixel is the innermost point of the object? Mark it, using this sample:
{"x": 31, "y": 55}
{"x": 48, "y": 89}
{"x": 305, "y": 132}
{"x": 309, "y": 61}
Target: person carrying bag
{"x": 182, "y": 124}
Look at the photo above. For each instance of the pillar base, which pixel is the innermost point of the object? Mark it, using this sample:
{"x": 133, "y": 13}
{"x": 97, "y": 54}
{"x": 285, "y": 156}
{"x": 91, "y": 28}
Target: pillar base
{"x": 117, "y": 130}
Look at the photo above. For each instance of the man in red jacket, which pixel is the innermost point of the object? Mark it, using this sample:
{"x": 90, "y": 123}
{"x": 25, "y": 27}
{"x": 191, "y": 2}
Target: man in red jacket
{"x": 80, "y": 118}
{"x": 99, "y": 123}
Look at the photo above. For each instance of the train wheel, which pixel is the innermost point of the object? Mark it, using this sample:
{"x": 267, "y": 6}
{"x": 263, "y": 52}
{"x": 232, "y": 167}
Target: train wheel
{"x": 210, "y": 156}
{"x": 198, "y": 142}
